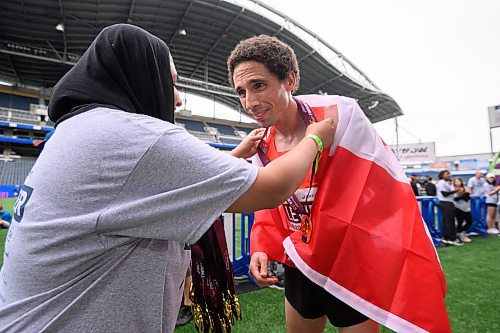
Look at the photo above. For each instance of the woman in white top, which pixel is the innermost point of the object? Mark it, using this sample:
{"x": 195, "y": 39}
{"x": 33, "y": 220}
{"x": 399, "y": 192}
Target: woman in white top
{"x": 491, "y": 191}
{"x": 445, "y": 194}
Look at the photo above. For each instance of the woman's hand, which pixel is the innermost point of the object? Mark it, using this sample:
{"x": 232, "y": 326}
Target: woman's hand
{"x": 248, "y": 147}
{"x": 324, "y": 129}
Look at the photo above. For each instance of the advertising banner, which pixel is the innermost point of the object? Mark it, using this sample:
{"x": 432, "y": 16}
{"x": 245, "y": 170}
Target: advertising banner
{"x": 415, "y": 152}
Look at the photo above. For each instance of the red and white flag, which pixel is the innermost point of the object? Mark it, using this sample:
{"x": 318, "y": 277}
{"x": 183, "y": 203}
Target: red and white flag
{"x": 370, "y": 247}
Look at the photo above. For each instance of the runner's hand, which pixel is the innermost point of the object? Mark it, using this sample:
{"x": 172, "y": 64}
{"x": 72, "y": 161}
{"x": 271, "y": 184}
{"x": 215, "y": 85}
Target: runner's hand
{"x": 258, "y": 270}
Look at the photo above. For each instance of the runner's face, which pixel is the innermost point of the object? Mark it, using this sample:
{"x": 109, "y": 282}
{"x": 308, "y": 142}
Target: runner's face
{"x": 177, "y": 96}
{"x": 261, "y": 94}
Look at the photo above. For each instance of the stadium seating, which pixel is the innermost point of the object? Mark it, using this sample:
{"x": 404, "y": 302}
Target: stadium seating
{"x": 197, "y": 129}
{"x": 212, "y": 132}
{"x": 19, "y": 116}
{"x": 223, "y": 129}
{"x": 230, "y": 140}
{"x": 15, "y": 171}
{"x": 227, "y": 133}
{"x": 243, "y": 129}
{"x": 18, "y": 102}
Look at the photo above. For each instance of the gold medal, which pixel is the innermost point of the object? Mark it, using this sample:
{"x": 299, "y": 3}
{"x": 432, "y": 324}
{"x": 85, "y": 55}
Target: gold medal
{"x": 306, "y": 228}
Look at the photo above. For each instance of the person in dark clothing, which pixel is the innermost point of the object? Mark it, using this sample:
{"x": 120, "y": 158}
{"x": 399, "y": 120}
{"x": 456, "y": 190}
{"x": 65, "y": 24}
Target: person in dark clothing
{"x": 445, "y": 194}
{"x": 462, "y": 209}
{"x": 5, "y": 218}
{"x": 414, "y": 185}
{"x": 430, "y": 187}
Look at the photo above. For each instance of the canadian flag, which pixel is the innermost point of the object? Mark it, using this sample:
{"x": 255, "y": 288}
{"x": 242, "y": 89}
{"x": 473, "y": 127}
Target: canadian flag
{"x": 370, "y": 247}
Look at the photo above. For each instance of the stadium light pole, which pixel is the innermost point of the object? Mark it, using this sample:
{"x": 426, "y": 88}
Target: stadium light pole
{"x": 494, "y": 122}
{"x": 397, "y": 137}
{"x": 491, "y": 142}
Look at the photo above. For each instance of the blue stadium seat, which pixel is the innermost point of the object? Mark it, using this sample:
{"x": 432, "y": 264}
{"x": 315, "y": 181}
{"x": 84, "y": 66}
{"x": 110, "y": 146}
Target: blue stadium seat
{"x": 244, "y": 129}
{"x": 223, "y": 129}
{"x": 192, "y": 125}
{"x": 230, "y": 140}
{"x": 15, "y": 172}
{"x": 16, "y": 101}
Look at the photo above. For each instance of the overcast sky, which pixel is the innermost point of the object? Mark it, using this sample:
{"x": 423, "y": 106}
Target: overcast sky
{"x": 440, "y": 61}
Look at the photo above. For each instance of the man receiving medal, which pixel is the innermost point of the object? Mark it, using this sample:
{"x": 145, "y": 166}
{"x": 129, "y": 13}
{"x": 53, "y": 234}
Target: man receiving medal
{"x": 352, "y": 240}
{"x": 265, "y": 73}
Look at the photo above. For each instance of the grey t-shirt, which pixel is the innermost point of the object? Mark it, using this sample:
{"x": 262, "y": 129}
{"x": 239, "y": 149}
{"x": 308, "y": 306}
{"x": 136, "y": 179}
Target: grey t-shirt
{"x": 490, "y": 199}
{"x": 98, "y": 239}
{"x": 463, "y": 205}
{"x": 476, "y": 185}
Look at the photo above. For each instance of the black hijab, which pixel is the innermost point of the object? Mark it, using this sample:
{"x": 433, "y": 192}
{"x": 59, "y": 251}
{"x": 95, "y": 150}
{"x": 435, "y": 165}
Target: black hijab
{"x": 124, "y": 68}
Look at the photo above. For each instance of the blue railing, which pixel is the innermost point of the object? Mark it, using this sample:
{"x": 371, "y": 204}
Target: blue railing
{"x": 241, "y": 244}
{"x": 428, "y": 208}
{"x": 478, "y": 211}
{"x": 433, "y": 216}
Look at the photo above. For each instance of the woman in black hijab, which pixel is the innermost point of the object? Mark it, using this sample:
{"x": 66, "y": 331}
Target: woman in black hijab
{"x": 124, "y": 68}
{"x": 98, "y": 238}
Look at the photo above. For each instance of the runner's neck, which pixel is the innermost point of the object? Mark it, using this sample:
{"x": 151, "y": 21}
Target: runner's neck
{"x": 289, "y": 129}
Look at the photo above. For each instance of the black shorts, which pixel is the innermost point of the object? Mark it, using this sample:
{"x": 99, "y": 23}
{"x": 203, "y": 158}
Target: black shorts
{"x": 312, "y": 302}
{"x": 491, "y": 205}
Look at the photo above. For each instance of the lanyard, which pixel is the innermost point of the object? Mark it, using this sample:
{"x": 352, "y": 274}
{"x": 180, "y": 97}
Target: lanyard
{"x": 309, "y": 118}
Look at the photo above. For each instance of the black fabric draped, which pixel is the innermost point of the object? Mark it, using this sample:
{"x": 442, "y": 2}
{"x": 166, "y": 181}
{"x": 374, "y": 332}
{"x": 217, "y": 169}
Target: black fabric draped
{"x": 125, "y": 68}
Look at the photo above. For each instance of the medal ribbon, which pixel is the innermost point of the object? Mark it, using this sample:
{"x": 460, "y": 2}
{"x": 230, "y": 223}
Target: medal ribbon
{"x": 309, "y": 118}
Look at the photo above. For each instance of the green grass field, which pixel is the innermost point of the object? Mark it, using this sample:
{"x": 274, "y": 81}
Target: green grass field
{"x": 473, "y": 299}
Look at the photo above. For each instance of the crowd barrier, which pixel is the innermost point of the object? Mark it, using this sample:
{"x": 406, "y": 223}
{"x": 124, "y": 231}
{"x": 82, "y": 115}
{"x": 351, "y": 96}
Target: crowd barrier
{"x": 238, "y": 226}
{"x": 237, "y": 229}
{"x": 431, "y": 212}
{"x": 8, "y": 191}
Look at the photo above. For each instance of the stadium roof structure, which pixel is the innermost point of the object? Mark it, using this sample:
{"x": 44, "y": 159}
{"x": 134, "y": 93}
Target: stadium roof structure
{"x": 41, "y": 39}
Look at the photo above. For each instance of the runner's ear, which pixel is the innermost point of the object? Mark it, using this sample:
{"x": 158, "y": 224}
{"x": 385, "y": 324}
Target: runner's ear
{"x": 291, "y": 82}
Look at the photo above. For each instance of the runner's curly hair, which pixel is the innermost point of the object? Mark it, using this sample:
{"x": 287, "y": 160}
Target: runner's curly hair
{"x": 278, "y": 57}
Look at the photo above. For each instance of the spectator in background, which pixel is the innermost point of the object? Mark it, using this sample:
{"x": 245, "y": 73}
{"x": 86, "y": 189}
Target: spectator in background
{"x": 445, "y": 194}
{"x": 476, "y": 184}
{"x": 491, "y": 190}
{"x": 16, "y": 190}
{"x": 415, "y": 185}
{"x": 430, "y": 187}
{"x": 5, "y": 217}
{"x": 462, "y": 209}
